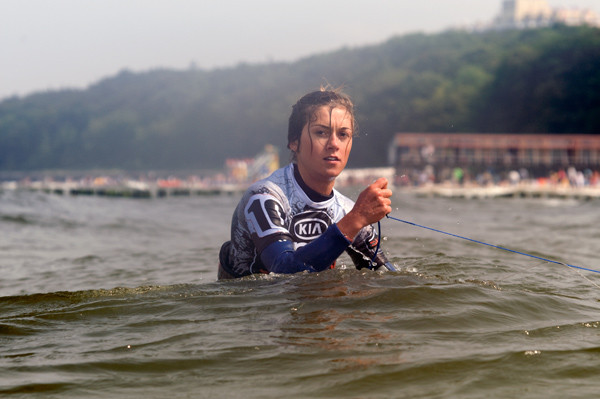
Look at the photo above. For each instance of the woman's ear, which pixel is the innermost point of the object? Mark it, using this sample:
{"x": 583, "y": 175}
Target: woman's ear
{"x": 293, "y": 146}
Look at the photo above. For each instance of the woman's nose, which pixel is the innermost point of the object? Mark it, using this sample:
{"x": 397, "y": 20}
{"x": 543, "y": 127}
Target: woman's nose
{"x": 334, "y": 141}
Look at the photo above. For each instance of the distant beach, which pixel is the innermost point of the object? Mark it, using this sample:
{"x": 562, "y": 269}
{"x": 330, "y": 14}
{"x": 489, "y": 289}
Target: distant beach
{"x": 456, "y": 183}
{"x": 568, "y": 183}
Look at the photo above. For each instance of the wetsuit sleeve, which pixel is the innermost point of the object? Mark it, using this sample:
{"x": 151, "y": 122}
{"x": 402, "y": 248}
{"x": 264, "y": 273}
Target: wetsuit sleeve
{"x": 265, "y": 218}
{"x": 362, "y": 251}
{"x": 318, "y": 255}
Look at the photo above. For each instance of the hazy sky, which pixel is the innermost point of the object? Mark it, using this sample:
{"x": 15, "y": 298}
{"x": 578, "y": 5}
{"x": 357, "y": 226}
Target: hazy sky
{"x": 52, "y": 44}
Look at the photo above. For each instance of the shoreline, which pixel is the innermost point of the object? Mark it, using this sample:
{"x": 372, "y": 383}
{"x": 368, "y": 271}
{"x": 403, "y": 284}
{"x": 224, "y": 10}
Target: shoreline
{"x": 138, "y": 189}
{"x": 127, "y": 188}
{"x": 521, "y": 190}
{"x": 557, "y": 185}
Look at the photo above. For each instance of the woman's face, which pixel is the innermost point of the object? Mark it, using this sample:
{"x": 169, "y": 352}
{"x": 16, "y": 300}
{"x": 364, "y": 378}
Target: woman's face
{"x": 324, "y": 146}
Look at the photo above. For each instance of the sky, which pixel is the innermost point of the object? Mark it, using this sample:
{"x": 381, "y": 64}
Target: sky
{"x": 59, "y": 44}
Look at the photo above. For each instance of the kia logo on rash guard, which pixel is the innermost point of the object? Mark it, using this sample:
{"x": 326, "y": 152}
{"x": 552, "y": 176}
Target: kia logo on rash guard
{"x": 307, "y": 226}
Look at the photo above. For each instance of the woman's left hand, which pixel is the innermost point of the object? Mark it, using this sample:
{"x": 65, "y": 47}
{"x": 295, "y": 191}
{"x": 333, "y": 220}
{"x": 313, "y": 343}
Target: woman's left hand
{"x": 372, "y": 204}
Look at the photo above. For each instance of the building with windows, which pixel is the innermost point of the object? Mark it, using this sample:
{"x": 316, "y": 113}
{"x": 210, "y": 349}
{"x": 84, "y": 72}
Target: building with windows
{"x": 477, "y": 153}
{"x": 521, "y": 14}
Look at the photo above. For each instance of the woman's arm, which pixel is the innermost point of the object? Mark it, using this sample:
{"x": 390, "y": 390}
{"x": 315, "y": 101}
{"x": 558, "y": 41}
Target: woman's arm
{"x": 318, "y": 255}
{"x": 372, "y": 205}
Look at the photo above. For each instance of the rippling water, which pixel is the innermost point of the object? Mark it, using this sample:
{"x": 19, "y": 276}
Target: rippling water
{"x": 118, "y": 298}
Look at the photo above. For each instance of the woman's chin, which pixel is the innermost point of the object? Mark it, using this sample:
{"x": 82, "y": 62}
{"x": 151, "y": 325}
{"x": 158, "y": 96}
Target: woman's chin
{"x": 332, "y": 175}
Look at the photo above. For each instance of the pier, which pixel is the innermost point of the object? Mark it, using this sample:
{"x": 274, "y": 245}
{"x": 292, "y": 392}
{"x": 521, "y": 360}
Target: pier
{"x": 128, "y": 189}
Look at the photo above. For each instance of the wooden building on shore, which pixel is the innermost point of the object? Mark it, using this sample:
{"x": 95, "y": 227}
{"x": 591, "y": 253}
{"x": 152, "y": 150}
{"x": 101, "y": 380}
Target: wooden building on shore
{"x": 478, "y": 152}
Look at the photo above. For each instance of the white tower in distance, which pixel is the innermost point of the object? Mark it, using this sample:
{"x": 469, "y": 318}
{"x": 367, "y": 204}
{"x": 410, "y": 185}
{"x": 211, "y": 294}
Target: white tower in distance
{"x": 521, "y": 14}
{"x": 524, "y": 14}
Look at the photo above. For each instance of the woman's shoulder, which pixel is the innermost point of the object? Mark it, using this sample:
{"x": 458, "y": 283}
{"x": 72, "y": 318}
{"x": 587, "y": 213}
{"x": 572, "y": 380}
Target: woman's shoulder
{"x": 274, "y": 184}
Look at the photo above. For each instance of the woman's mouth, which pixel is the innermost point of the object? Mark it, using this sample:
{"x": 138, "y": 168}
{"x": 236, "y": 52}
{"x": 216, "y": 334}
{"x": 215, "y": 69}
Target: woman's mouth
{"x": 331, "y": 159}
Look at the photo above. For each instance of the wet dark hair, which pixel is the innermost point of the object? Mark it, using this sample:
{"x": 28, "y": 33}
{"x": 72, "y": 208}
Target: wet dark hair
{"x": 305, "y": 108}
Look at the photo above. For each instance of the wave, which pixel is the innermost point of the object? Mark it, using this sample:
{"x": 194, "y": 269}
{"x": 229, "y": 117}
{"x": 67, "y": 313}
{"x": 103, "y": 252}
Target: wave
{"x": 343, "y": 330}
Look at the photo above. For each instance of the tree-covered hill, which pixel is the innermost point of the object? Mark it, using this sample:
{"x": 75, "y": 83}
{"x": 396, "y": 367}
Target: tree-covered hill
{"x": 535, "y": 81}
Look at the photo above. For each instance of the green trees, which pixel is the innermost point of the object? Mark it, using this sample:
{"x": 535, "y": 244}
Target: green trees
{"x": 549, "y": 83}
{"x": 535, "y": 81}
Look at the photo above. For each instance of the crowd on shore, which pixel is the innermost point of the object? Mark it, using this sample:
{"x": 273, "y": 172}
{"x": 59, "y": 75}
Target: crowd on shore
{"x": 563, "y": 179}
{"x": 567, "y": 177}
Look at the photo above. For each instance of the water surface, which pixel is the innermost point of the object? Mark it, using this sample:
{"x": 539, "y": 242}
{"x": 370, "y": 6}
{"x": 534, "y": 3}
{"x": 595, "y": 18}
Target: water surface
{"x": 110, "y": 297}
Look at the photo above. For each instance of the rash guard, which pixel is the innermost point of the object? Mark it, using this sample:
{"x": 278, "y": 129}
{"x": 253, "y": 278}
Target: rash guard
{"x": 280, "y": 225}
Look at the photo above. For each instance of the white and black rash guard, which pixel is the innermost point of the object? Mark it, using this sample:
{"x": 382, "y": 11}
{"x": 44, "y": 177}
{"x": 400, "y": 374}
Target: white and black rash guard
{"x": 280, "y": 225}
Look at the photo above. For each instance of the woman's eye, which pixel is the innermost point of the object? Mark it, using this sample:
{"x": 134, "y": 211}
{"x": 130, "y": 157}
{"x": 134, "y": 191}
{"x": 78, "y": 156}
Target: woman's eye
{"x": 344, "y": 135}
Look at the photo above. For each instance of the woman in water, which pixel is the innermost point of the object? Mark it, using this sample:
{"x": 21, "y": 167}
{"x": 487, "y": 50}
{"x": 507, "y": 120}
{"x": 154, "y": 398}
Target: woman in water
{"x": 294, "y": 220}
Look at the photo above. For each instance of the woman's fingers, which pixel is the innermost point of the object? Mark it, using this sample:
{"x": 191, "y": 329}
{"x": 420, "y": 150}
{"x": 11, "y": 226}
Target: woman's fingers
{"x": 374, "y": 202}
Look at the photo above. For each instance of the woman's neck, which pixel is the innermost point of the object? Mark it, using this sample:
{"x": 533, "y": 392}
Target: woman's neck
{"x": 315, "y": 192}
